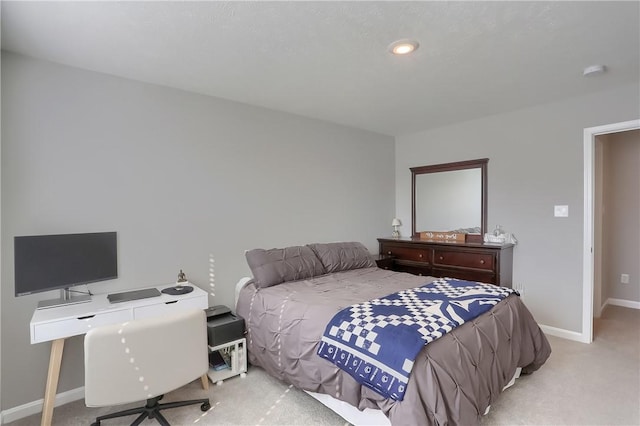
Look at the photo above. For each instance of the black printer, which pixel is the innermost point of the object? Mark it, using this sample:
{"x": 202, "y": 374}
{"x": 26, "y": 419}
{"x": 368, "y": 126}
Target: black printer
{"x": 223, "y": 326}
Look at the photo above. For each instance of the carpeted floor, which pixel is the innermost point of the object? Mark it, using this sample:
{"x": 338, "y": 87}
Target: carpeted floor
{"x": 580, "y": 384}
{"x": 596, "y": 384}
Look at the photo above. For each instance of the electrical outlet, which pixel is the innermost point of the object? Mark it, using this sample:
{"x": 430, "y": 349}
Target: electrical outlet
{"x": 624, "y": 278}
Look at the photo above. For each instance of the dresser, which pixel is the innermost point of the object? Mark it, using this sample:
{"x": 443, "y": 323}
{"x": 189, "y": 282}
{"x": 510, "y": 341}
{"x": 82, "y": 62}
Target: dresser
{"x": 484, "y": 262}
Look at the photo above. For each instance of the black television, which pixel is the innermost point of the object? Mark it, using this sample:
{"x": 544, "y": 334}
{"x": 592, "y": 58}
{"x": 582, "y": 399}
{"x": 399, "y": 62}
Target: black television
{"x": 50, "y": 262}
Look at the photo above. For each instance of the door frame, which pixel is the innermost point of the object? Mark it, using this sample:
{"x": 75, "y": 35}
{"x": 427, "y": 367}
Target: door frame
{"x": 589, "y": 143}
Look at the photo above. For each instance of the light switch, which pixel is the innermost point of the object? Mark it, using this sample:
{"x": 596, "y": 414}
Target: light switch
{"x": 561, "y": 211}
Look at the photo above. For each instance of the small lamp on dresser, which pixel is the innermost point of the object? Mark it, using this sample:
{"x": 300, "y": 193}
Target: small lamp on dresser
{"x": 395, "y": 223}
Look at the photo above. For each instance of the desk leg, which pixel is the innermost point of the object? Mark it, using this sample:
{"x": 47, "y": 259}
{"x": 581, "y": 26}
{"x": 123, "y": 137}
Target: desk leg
{"x": 205, "y": 382}
{"x": 52, "y": 381}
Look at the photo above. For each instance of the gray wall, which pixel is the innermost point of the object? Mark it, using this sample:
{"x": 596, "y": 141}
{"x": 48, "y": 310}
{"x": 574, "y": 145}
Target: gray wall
{"x": 181, "y": 178}
{"x": 536, "y": 161}
{"x": 1, "y": 269}
{"x": 621, "y": 218}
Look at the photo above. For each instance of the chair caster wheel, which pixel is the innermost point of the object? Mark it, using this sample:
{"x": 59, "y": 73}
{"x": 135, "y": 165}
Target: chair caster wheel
{"x": 205, "y": 406}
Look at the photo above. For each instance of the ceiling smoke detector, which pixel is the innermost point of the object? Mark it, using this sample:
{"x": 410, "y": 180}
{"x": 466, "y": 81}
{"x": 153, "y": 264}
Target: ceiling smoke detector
{"x": 403, "y": 47}
{"x": 593, "y": 70}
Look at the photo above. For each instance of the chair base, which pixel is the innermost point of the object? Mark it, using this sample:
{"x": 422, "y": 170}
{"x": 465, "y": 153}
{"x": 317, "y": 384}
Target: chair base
{"x": 152, "y": 411}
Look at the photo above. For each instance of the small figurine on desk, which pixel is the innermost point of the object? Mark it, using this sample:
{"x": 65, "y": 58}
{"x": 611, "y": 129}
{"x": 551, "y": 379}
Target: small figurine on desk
{"x": 181, "y": 286}
{"x": 182, "y": 278}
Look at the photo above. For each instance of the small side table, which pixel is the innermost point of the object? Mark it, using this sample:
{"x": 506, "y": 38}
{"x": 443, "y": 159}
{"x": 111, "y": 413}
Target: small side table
{"x": 236, "y": 354}
{"x": 225, "y": 335}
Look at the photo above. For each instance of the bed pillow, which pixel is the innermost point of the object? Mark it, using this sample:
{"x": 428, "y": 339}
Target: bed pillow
{"x": 337, "y": 257}
{"x": 278, "y": 265}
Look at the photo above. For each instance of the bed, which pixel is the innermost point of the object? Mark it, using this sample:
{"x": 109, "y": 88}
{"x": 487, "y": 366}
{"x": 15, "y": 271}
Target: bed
{"x": 294, "y": 293}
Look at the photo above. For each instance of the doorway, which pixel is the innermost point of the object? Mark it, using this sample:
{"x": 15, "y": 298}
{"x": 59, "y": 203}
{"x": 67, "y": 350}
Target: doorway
{"x": 589, "y": 260}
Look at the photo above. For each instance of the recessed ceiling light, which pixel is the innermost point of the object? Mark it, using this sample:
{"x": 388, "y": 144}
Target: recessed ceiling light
{"x": 403, "y": 47}
{"x": 593, "y": 70}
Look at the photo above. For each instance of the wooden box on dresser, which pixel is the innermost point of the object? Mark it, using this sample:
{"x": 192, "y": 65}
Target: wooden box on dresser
{"x": 484, "y": 262}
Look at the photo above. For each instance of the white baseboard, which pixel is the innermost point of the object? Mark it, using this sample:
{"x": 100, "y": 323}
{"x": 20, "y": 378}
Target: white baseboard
{"x": 622, "y": 302}
{"x": 565, "y": 334}
{"x": 579, "y": 337}
{"x": 25, "y": 410}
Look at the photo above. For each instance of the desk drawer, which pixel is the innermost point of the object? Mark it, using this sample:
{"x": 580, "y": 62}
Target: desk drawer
{"x": 169, "y": 307}
{"x": 407, "y": 253}
{"x": 68, "y": 327}
{"x": 464, "y": 259}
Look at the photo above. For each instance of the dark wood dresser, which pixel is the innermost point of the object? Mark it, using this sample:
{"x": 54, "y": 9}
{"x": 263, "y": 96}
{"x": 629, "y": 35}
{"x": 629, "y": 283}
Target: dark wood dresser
{"x": 484, "y": 262}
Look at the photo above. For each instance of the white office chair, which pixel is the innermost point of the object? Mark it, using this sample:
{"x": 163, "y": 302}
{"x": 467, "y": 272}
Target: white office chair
{"x": 144, "y": 359}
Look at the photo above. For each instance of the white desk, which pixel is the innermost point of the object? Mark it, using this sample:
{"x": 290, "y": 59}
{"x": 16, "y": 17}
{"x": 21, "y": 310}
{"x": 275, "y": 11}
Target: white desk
{"x": 58, "y": 323}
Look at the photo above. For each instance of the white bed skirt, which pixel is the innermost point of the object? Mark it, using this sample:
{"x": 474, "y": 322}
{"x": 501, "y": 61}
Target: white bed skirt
{"x": 350, "y": 413}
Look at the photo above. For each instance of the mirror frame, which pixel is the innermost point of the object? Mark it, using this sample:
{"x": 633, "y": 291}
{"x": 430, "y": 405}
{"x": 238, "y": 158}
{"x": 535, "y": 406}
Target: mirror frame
{"x": 481, "y": 164}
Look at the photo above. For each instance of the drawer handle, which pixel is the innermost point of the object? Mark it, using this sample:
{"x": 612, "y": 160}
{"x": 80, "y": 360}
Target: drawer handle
{"x": 87, "y": 317}
{"x": 173, "y": 301}
{"x": 482, "y": 261}
{"x": 441, "y": 258}
{"x": 389, "y": 252}
{"x": 420, "y": 256}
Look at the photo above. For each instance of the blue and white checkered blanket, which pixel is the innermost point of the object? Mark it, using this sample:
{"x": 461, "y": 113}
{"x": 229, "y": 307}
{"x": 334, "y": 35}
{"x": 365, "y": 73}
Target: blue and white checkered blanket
{"x": 377, "y": 341}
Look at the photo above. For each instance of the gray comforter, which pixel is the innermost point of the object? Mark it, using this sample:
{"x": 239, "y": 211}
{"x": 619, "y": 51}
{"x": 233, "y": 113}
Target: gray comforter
{"x": 454, "y": 379}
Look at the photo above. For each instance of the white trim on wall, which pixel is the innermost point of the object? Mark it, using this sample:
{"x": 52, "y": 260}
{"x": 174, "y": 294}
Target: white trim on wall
{"x": 561, "y": 332}
{"x": 35, "y": 407}
{"x": 590, "y": 134}
{"x": 621, "y": 302}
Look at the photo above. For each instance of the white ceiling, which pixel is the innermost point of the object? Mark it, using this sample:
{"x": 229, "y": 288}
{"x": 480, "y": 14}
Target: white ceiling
{"x": 329, "y": 60}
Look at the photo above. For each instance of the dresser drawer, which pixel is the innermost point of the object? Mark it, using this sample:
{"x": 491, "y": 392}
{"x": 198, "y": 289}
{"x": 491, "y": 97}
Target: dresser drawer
{"x": 464, "y": 259}
{"x": 465, "y": 274}
{"x": 385, "y": 262}
{"x": 408, "y": 253}
{"x": 489, "y": 263}
{"x": 67, "y": 327}
{"x": 413, "y": 269}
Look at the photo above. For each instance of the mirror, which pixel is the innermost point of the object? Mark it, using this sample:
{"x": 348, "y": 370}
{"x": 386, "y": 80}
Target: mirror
{"x": 450, "y": 196}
